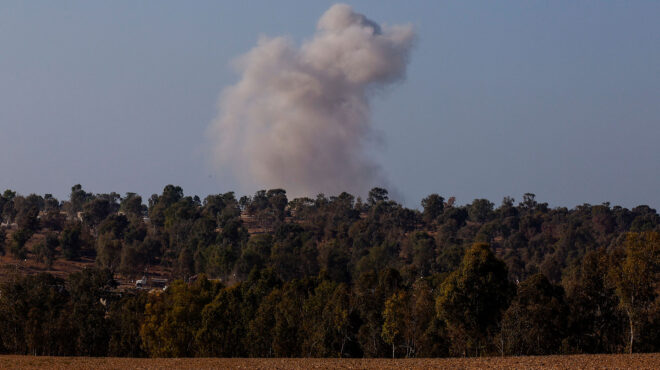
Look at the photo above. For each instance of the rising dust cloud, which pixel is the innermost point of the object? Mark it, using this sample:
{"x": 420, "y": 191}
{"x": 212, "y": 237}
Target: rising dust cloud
{"x": 299, "y": 117}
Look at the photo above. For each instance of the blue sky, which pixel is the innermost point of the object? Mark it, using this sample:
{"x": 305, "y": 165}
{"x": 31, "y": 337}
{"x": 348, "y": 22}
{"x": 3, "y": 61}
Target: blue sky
{"x": 558, "y": 98}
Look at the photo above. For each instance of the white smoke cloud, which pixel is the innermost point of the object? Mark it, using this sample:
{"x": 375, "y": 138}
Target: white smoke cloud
{"x": 299, "y": 117}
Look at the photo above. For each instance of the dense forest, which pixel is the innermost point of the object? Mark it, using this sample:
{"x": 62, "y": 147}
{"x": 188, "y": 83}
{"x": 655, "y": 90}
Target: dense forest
{"x": 334, "y": 276}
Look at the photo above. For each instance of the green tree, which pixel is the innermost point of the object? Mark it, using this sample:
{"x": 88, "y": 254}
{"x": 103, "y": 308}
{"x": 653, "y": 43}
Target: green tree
{"x": 338, "y": 312}
{"x": 222, "y": 326}
{"x": 132, "y": 205}
{"x": 287, "y": 331}
{"x": 19, "y": 239}
{"x": 433, "y": 206}
{"x": 71, "y": 241}
{"x": 159, "y": 204}
{"x": 77, "y": 200}
{"x": 472, "y": 299}
{"x": 97, "y": 209}
{"x": 325, "y": 324}
{"x": 278, "y": 202}
{"x": 27, "y": 218}
{"x": 45, "y": 251}
{"x": 377, "y": 195}
{"x": 259, "y": 338}
{"x": 108, "y": 251}
{"x": 536, "y": 321}
{"x": 394, "y": 319}
{"x": 371, "y": 290}
{"x": 255, "y": 254}
{"x": 8, "y": 209}
{"x": 30, "y": 307}
{"x": 634, "y": 274}
{"x": 425, "y": 332}
{"x": 423, "y": 253}
{"x": 51, "y": 203}
{"x": 89, "y": 288}
{"x": 173, "y": 318}
{"x": 317, "y": 328}
{"x": 480, "y": 210}
{"x": 125, "y": 317}
{"x": 595, "y": 323}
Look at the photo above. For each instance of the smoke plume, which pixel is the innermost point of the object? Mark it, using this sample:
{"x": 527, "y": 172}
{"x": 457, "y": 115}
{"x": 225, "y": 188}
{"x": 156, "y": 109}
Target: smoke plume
{"x": 299, "y": 117}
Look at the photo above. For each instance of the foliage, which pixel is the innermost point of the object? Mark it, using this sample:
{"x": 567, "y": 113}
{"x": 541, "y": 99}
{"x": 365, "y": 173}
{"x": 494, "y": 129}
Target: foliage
{"x": 536, "y": 321}
{"x": 173, "y": 317}
{"x": 71, "y": 241}
{"x": 330, "y": 276}
{"x": 472, "y": 299}
{"x": 634, "y": 274}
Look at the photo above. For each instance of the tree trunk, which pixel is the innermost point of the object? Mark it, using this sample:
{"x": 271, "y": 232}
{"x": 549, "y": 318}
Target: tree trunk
{"x": 502, "y": 344}
{"x": 632, "y": 332}
{"x": 341, "y": 351}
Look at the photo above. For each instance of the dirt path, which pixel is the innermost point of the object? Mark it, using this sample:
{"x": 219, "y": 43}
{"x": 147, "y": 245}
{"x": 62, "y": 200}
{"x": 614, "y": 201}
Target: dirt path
{"x": 637, "y": 361}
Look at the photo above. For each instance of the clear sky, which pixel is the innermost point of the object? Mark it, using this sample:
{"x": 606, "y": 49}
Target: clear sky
{"x": 557, "y": 98}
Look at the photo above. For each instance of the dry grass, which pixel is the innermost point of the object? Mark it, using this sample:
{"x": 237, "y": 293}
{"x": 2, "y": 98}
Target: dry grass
{"x": 637, "y": 361}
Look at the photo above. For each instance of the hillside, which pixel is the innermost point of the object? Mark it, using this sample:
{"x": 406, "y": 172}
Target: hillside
{"x": 325, "y": 277}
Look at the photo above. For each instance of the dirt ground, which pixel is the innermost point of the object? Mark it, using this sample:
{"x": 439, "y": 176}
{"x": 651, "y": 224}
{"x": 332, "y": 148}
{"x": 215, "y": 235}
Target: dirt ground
{"x": 636, "y": 361}
{"x": 62, "y": 268}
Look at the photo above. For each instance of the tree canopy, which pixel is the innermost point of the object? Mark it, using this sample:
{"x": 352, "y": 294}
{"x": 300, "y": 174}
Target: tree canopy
{"x": 333, "y": 275}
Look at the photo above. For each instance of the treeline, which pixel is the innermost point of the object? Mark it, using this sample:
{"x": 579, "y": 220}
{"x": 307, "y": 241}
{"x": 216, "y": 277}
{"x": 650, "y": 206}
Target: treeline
{"x": 332, "y": 276}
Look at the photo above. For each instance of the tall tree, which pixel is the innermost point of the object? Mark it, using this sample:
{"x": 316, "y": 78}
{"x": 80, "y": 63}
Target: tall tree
{"x": 595, "y": 322}
{"x": 536, "y": 321}
{"x": 433, "y": 207}
{"x": 132, "y": 205}
{"x": 394, "y": 319}
{"x": 472, "y": 299}
{"x": 377, "y": 195}
{"x": 635, "y": 275}
{"x": 71, "y": 241}
{"x": 173, "y": 318}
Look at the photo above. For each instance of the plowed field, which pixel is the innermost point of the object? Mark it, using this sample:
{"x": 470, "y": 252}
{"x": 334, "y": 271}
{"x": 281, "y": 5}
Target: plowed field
{"x": 637, "y": 361}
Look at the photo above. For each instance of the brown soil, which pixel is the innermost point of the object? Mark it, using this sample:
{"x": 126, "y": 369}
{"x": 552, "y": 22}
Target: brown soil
{"x": 636, "y": 361}
{"x": 62, "y": 268}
